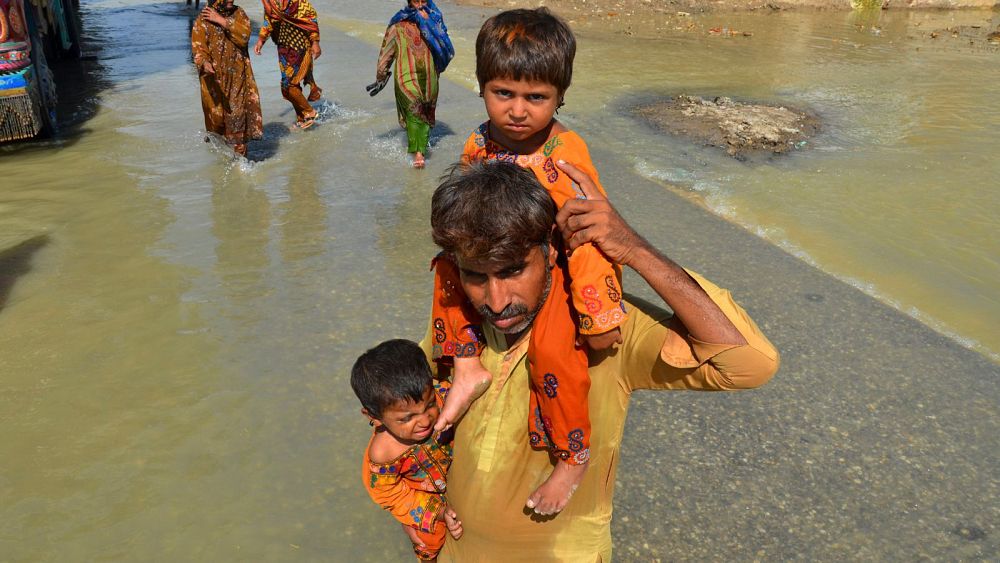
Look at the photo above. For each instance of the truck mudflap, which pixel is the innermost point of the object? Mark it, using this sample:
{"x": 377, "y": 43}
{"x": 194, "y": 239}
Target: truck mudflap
{"x": 22, "y": 115}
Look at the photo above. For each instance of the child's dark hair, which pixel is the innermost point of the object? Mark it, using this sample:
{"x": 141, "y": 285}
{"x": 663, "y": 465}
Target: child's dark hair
{"x": 526, "y": 45}
{"x": 395, "y": 370}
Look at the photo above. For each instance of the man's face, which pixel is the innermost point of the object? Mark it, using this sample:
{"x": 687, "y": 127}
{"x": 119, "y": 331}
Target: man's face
{"x": 508, "y": 296}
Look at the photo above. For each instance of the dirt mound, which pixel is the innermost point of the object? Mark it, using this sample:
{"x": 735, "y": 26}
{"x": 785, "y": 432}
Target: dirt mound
{"x": 744, "y": 130}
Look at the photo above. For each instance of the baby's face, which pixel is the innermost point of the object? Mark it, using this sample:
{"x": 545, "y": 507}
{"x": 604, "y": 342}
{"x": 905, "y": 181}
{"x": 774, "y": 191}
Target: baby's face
{"x": 412, "y": 422}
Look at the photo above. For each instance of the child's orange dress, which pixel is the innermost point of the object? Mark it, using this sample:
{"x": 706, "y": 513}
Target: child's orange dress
{"x": 586, "y": 297}
{"x": 412, "y": 486}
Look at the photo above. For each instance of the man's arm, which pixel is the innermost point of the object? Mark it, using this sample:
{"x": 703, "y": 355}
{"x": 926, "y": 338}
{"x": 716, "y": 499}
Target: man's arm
{"x": 594, "y": 220}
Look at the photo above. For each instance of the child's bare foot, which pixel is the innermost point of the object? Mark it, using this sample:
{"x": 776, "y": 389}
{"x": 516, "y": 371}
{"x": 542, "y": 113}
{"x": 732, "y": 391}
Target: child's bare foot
{"x": 469, "y": 382}
{"x": 553, "y": 495}
{"x": 418, "y": 160}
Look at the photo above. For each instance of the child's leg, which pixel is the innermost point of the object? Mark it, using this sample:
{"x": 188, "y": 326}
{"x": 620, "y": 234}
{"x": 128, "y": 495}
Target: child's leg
{"x": 457, "y": 342}
{"x": 559, "y": 404}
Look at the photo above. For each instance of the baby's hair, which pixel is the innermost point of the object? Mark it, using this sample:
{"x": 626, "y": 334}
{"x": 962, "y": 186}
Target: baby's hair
{"x": 526, "y": 45}
{"x": 395, "y": 370}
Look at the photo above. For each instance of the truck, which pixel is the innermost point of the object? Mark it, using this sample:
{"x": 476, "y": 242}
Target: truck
{"x": 33, "y": 33}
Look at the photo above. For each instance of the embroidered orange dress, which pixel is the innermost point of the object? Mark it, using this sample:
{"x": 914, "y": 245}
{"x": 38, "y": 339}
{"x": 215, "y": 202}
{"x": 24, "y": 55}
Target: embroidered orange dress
{"x": 412, "y": 486}
{"x": 585, "y": 296}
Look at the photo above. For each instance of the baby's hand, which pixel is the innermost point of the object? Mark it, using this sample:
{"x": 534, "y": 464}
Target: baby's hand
{"x": 603, "y": 341}
{"x": 452, "y": 522}
{"x": 413, "y": 536}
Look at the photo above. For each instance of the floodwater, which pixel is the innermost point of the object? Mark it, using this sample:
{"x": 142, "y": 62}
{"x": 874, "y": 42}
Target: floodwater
{"x": 176, "y": 327}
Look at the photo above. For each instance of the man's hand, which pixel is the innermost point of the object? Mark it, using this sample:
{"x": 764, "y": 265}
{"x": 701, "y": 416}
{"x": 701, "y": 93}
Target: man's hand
{"x": 595, "y": 220}
{"x": 258, "y": 46}
{"x": 211, "y": 15}
{"x": 316, "y": 50}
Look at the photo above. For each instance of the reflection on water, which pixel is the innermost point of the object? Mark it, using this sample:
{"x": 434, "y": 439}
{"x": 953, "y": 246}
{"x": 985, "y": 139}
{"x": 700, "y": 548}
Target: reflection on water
{"x": 177, "y": 326}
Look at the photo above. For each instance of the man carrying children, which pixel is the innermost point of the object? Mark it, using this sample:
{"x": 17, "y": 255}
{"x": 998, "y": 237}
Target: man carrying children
{"x": 497, "y": 221}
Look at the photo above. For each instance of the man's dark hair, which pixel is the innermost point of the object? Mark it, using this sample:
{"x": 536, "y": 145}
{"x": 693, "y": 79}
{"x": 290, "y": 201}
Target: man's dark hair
{"x": 493, "y": 211}
{"x": 395, "y": 370}
{"x": 526, "y": 45}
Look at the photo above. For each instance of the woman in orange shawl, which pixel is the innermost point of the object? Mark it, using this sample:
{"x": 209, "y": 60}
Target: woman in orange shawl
{"x": 229, "y": 95}
{"x": 294, "y": 28}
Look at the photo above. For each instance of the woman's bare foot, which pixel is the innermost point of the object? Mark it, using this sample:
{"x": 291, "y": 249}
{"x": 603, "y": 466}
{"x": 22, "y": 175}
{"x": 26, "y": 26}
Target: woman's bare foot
{"x": 553, "y": 495}
{"x": 468, "y": 383}
{"x": 315, "y": 93}
{"x": 418, "y": 160}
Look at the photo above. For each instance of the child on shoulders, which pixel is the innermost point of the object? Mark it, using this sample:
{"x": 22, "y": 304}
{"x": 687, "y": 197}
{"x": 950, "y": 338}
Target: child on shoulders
{"x": 524, "y": 65}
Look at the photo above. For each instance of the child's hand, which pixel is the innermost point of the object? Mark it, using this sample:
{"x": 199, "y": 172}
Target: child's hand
{"x": 412, "y": 534}
{"x": 453, "y": 523}
{"x": 603, "y": 341}
{"x": 470, "y": 381}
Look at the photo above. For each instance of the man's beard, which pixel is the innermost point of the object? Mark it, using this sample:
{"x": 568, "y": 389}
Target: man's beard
{"x": 516, "y": 309}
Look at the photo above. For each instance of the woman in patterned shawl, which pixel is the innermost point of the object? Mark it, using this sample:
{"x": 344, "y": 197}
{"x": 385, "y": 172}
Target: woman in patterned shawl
{"x": 294, "y": 28}
{"x": 229, "y": 95}
{"x": 417, "y": 40}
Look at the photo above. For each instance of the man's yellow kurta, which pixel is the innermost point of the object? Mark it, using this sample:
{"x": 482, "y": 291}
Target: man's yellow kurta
{"x": 495, "y": 469}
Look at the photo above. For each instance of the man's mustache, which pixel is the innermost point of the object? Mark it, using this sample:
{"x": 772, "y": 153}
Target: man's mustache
{"x": 510, "y": 311}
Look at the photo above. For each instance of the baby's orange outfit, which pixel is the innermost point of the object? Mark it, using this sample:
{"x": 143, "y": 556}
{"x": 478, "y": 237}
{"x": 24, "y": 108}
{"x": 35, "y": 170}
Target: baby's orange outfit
{"x": 586, "y": 296}
{"x": 412, "y": 486}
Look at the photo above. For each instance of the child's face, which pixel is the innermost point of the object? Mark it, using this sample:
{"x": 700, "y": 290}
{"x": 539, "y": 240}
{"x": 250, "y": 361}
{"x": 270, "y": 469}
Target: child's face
{"x": 520, "y": 110}
{"x": 411, "y": 422}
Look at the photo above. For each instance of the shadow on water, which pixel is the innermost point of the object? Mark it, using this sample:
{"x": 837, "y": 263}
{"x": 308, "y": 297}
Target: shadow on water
{"x": 16, "y": 262}
{"x": 440, "y": 131}
{"x": 267, "y": 147}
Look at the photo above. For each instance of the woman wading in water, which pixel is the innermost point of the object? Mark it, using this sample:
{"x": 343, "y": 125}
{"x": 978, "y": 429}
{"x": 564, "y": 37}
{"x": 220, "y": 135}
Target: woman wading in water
{"x": 294, "y": 28}
{"x": 229, "y": 97}
{"x": 417, "y": 41}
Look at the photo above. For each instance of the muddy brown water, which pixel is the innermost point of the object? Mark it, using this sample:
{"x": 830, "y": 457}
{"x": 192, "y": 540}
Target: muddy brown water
{"x": 176, "y": 327}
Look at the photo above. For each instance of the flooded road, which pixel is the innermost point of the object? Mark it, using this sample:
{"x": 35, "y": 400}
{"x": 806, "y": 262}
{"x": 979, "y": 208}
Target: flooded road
{"x": 176, "y": 327}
